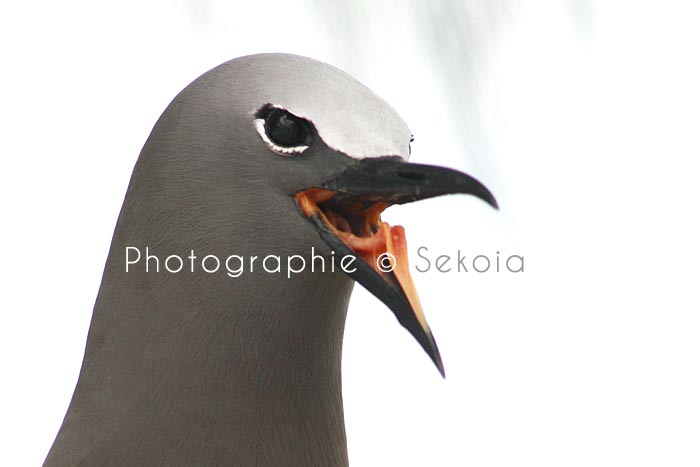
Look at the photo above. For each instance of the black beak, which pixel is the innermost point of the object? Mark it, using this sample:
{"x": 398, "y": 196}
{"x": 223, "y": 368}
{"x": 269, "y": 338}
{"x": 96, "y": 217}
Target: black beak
{"x": 387, "y": 181}
{"x": 397, "y": 182}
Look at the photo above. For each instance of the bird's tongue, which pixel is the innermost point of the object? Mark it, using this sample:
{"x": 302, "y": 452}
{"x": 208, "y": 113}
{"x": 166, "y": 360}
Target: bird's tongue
{"x": 388, "y": 255}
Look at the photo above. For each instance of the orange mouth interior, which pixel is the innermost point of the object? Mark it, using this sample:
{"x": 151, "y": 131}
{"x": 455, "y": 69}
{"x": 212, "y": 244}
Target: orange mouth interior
{"x": 357, "y": 222}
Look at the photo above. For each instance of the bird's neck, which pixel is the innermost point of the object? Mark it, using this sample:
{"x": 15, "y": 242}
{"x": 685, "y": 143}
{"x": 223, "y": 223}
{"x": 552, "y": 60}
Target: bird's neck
{"x": 195, "y": 369}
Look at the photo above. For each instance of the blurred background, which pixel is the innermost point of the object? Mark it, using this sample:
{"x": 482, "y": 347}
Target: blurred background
{"x": 581, "y": 116}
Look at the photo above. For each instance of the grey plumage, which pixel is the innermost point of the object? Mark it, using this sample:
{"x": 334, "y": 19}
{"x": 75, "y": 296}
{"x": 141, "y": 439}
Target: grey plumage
{"x": 201, "y": 369}
{"x": 183, "y": 369}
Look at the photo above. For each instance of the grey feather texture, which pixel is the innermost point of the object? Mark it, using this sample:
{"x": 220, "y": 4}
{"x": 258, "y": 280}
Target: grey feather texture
{"x": 203, "y": 369}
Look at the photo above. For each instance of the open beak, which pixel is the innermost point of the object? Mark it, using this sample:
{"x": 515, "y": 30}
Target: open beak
{"x": 347, "y": 209}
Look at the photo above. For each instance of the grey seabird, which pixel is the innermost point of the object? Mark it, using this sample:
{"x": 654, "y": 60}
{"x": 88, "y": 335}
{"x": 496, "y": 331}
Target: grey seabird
{"x": 265, "y": 154}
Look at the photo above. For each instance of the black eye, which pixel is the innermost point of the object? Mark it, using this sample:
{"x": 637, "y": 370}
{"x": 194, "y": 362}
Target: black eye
{"x": 284, "y": 129}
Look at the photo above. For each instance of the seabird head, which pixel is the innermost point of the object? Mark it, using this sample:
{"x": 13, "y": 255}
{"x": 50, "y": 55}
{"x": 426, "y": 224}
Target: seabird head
{"x": 311, "y": 157}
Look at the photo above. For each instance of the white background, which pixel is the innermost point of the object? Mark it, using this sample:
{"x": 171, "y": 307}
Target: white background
{"x": 581, "y": 116}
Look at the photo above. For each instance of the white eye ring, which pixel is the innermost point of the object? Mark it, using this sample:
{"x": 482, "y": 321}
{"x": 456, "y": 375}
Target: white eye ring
{"x": 260, "y": 126}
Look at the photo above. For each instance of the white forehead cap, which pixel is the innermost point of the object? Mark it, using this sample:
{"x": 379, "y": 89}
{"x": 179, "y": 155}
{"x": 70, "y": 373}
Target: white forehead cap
{"x": 348, "y": 116}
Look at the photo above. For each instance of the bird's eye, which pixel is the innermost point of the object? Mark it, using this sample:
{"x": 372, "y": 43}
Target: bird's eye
{"x": 284, "y": 129}
{"x": 283, "y": 132}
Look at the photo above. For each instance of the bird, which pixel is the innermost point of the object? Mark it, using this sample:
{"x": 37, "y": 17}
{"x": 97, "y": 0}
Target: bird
{"x": 266, "y": 153}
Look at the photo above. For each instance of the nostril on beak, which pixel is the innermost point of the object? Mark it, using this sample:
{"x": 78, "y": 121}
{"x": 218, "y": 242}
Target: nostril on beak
{"x": 411, "y": 176}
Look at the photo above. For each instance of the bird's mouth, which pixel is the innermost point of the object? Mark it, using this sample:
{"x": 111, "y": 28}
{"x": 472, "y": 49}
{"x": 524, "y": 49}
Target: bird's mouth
{"x": 346, "y": 211}
{"x": 356, "y": 220}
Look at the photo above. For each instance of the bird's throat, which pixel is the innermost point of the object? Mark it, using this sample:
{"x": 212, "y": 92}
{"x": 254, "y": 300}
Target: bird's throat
{"x": 182, "y": 372}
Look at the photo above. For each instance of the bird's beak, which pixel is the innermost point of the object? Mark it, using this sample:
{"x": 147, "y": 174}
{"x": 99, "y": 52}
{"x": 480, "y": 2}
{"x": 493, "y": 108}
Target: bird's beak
{"x": 346, "y": 211}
